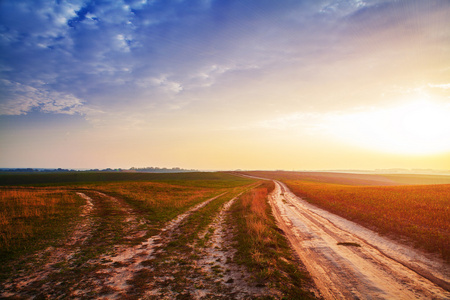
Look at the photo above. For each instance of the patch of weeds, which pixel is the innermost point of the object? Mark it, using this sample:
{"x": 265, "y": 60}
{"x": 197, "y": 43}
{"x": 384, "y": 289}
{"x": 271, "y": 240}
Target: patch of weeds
{"x": 216, "y": 269}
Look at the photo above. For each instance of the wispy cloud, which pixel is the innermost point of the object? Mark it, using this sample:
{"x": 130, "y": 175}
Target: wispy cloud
{"x": 20, "y": 99}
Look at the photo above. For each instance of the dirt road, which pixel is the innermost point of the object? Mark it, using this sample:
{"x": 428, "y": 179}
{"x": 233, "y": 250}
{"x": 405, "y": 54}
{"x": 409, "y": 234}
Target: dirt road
{"x": 348, "y": 261}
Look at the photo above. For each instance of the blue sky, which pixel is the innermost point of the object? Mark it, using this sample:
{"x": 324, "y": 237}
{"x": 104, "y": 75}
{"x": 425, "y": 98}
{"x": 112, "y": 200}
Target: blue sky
{"x": 223, "y": 84}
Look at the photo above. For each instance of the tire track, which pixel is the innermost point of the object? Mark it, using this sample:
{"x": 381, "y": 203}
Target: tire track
{"x": 217, "y": 256}
{"x": 348, "y": 261}
{"x": 115, "y": 279}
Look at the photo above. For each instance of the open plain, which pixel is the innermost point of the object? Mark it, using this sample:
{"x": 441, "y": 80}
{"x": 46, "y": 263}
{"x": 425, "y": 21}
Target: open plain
{"x": 216, "y": 236}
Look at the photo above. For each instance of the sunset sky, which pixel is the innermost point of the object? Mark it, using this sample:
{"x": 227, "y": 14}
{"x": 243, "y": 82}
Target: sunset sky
{"x": 223, "y": 84}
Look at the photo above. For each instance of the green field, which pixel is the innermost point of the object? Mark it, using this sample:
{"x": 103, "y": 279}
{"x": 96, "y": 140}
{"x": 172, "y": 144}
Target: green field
{"x": 213, "y": 179}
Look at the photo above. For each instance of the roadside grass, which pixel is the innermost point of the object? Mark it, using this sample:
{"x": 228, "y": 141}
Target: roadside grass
{"x": 263, "y": 249}
{"x": 418, "y": 213}
{"x": 33, "y": 219}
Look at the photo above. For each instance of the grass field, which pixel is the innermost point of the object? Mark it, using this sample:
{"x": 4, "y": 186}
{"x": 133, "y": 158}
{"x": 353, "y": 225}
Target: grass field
{"x": 213, "y": 179}
{"x": 418, "y": 179}
{"x": 355, "y": 179}
{"x": 419, "y": 213}
{"x": 41, "y": 210}
{"x": 33, "y": 217}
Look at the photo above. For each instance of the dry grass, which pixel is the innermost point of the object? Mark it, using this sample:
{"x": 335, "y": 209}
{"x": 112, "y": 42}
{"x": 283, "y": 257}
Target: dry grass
{"x": 27, "y": 214}
{"x": 418, "y": 179}
{"x": 263, "y": 249}
{"x": 257, "y": 217}
{"x": 420, "y": 213}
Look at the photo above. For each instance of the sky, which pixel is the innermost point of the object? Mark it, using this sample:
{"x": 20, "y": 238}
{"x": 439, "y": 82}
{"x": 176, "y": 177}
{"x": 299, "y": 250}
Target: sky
{"x": 223, "y": 84}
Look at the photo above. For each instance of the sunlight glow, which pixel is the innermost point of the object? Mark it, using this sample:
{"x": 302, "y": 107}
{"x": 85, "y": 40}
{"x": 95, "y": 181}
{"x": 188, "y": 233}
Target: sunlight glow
{"x": 417, "y": 127}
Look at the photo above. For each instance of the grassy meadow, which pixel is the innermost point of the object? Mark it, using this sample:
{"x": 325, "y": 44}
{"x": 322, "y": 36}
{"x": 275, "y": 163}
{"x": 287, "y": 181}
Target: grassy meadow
{"x": 394, "y": 205}
{"x": 39, "y": 210}
{"x": 204, "y": 179}
{"x": 33, "y": 218}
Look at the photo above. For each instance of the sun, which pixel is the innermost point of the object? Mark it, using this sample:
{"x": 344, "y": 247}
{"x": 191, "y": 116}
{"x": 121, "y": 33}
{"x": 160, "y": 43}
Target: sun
{"x": 417, "y": 127}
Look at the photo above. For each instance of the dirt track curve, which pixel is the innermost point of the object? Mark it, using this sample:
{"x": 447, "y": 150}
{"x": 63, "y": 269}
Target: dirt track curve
{"x": 348, "y": 261}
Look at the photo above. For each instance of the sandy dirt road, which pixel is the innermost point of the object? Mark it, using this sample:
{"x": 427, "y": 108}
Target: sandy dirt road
{"x": 348, "y": 261}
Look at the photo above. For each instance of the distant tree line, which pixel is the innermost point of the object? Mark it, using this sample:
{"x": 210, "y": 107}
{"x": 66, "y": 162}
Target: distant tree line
{"x": 161, "y": 170}
{"x": 133, "y": 169}
{"x": 31, "y": 170}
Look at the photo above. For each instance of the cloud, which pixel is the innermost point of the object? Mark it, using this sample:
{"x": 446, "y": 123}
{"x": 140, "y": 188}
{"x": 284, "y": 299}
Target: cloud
{"x": 163, "y": 82}
{"x": 20, "y": 99}
{"x": 146, "y": 54}
{"x": 343, "y": 7}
